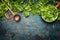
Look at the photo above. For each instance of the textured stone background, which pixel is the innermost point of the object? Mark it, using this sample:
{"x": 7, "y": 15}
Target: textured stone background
{"x": 31, "y": 28}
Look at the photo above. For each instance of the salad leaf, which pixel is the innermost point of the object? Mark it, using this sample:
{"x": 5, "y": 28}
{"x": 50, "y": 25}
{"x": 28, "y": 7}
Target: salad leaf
{"x": 49, "y": 13}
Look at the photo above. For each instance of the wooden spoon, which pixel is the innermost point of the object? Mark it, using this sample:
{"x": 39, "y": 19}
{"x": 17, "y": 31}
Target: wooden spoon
{"x": 58, "y": 5}
{"x": 16, "y": 17}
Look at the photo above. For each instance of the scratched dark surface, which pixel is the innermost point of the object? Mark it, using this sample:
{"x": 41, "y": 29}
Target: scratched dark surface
{"x": 31, "y": 28}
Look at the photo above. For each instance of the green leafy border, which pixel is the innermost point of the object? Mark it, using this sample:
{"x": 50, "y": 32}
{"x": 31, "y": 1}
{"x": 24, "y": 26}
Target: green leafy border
{"x": 21, "y": 6}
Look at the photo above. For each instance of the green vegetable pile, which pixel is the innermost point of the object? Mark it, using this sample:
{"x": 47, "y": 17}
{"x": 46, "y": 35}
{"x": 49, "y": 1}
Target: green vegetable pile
{"x": 49, "y": 13}
{"x": 2, "y": 8}
{"x": 25, "y": 6}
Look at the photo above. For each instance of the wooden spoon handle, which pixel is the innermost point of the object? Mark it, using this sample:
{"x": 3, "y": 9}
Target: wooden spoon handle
{"x": 10, "y": 10}
{"x": 8, "y": 7}
{"x": 58, "y": 5}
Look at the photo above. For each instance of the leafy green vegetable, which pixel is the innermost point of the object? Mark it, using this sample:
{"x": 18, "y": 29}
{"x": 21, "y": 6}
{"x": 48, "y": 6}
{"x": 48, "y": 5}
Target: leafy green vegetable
{"x": 42, "y": 2}
{"x": 58, "y": 17}
{"x": 31, "y": 2}
{"x": 19, "y": 5}
{"x": 21, "y": 1}
{"x": 32, "y": 6}
{"x": 2, "y": 7}
{"x": 49, "y": 13}
{"x": 35, "y": 9}
{"x": 26, "y": 10}
{"x": 26, "y": 13}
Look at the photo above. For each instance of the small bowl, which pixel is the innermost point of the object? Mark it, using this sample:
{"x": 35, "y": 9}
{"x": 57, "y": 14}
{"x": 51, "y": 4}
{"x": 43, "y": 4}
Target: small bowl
{"x": 17, "y": 18}
{"x": 46, "y": 20}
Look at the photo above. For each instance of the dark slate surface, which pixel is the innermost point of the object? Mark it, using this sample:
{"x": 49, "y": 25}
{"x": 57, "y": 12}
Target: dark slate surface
{"x": 31, "y": 28}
